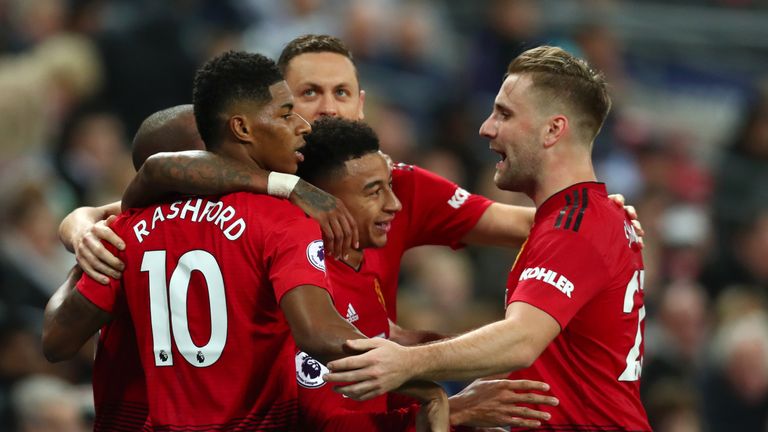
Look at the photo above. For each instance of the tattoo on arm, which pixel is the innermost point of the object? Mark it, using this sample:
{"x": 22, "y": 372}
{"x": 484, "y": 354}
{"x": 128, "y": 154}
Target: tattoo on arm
{"x": 314, "y": 197}
{"x": 207, "y": 173}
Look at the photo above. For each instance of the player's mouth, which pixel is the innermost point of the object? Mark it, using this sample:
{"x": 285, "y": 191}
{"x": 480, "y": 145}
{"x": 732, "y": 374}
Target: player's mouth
{"x": 502, "y": 155}
{"x": 299, "y": 155}
{"x": 384, "y": 226}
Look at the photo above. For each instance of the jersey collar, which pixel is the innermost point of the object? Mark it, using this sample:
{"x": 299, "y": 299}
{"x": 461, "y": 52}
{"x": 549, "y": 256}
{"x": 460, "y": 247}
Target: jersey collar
{"x": 557, "y": 201}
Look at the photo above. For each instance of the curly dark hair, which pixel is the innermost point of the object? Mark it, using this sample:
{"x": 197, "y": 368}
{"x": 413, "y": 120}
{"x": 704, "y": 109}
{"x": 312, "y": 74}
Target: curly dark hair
{"x": 332, "y": 142}
{"x": 231, "y": 77}
{"x": 312, "y": 43}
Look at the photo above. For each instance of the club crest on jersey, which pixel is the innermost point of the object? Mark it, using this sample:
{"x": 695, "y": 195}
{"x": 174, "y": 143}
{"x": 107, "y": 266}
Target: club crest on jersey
{"x": 459, "y": 198}
{"x": 549, "y": 276}
{"x": 309, "y": 372}
{"x": 316, "y": 254}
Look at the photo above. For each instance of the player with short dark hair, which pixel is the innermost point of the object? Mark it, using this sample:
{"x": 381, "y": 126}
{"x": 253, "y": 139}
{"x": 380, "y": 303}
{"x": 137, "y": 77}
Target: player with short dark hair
{"x": 575, "y": 314}
{"x": 230, "y": 278}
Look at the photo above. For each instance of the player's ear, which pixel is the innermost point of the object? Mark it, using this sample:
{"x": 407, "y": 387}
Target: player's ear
{"x": 360, "y": 111}
{"x": 554, "y": 130}
{"x": 240, "y": 127}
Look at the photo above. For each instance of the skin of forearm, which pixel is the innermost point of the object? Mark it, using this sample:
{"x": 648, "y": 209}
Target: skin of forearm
{"x": 69, "y": 320}
{"x": 503, "y": 346}
{"x": 192, "y": 172}
{"x": 84, "y": 217}
{"x": 502, "y": 225}
{"x": 326, "y": 343}
{"x": 408, "y": 337}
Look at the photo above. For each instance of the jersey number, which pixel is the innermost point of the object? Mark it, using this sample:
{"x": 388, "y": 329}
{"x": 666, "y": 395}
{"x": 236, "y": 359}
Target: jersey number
{"x": 634, "y": 361}
{"x": 175, "y": 295}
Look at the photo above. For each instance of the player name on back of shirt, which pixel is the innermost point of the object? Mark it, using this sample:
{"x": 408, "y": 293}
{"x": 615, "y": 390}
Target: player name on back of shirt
{"x": 194, "y": 210}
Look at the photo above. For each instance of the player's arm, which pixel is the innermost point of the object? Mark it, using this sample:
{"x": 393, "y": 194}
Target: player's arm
{"x": 409, "y": 337}
{"x": 508, "y": 226}
{"x": 501, "y": 225}
{"x": 82, "y": 232}
{"x": 200, "y": 172}
{"x": 321, "y": 332}
{"x": 503, "y": 346}
{"x": 317, "y": 327}
{"x": 69, "y": 320}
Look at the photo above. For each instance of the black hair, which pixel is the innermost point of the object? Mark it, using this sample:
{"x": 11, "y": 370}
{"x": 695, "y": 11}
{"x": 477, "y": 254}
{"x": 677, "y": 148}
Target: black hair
{"x": 231, "y": 77}
{"x": 332, "y": 142}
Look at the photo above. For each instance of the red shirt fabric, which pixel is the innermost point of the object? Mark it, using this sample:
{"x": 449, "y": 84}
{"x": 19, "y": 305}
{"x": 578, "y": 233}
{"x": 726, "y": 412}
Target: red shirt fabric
{"x": 358, "y": 298}
{"x": 203, "y": 285}
{"x": 119, "y": 389}
{"x": 582, "y": 265}
{"x": 435, "y": 212}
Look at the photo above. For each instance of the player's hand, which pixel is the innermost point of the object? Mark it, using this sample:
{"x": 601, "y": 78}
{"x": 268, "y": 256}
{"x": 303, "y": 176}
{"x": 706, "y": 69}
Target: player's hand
{"x": 92, "y": 256}
{"x": 382, "y": 368}
{"x": 489, "y": 403}
{"x": 338, "y": 227}
{"x": 618, "y": 199}
{"x": 434, "y": 415}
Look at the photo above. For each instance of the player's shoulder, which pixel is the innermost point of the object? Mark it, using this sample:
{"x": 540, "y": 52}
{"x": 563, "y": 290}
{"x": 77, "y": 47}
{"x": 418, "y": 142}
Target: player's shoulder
{"x": 582, "y": 210}
{"x": 410, "y": 178}
{"x": 404, "y": 171}
{"x": 263, "y": 205}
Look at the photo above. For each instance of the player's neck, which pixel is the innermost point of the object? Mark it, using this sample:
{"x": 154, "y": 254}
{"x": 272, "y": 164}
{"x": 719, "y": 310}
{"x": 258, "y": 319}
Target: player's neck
{"x": 354, "y": 258}
{"x": 237, "y": 151}
{"x": 559, "y": 174}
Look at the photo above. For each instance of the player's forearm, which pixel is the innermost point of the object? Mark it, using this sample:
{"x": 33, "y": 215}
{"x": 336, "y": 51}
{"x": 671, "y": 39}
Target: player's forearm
{"x": 317, "y": 327}
{"x": 326, "y": 341}
{"x": 502, "y": 225}
{"x": 83, "y": 218}
{"x": 407, "y": 337}
{"x": 499, "y": 347}
{"x": 192, "y": 172}
{"x": 58, "y": 343}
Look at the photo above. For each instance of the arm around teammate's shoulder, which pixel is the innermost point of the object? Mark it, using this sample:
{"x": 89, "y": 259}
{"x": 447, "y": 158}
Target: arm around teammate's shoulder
{"x": 502, "y": 225}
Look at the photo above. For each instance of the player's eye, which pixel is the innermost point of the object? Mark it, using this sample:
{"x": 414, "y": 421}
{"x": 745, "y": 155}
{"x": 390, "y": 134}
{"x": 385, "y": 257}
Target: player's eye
{"x": 342, "y": 92}
{"x": 309, "y": 93}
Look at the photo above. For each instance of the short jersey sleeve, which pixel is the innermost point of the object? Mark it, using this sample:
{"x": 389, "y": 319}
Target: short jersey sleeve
{"x": 294, "y": 255}
{"x": 103, "y": 296}
{"x": 562, "y": 271}
{"x": 439, "y": 211}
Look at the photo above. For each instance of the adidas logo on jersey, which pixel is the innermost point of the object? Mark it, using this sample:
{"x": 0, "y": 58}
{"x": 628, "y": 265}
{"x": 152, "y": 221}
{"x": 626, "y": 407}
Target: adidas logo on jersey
{"x": 459, "y": 198}
{"x": 351, "y": 314}
{"x": 540, "y": 273}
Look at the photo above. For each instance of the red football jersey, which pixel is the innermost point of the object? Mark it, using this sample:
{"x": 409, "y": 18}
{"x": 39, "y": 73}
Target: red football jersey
{"x": 358, "y": 298}
{"x": 582, "y": 265}
{"x": 203, "y": 285}
{"x": 119, "y": 388}
{"x": 435, "y": 212}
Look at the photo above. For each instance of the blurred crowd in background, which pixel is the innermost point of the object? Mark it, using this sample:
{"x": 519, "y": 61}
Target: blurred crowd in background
{"x": 686, "y": 144}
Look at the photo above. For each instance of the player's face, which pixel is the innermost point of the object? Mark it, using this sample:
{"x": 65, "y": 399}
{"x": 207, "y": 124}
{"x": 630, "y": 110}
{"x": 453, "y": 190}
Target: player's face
{"x": 279, "y": 132}
{"x": 325, "y": 84}
{"x": 366, "y": 190}
{"x": 515, "y": 130}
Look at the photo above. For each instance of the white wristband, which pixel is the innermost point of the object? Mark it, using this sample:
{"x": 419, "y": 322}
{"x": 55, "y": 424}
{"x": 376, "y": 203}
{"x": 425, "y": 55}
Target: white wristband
{"x": 281, "y": 184}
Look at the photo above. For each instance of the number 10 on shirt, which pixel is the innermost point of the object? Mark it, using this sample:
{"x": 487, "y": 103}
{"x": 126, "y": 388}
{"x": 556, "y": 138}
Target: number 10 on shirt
{"x": 168, "y": 307}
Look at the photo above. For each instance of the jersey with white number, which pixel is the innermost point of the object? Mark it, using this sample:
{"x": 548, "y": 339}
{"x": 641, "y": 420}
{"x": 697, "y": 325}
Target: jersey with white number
{"x": 582, "y": 265}
{"x": 203, "y": 283}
